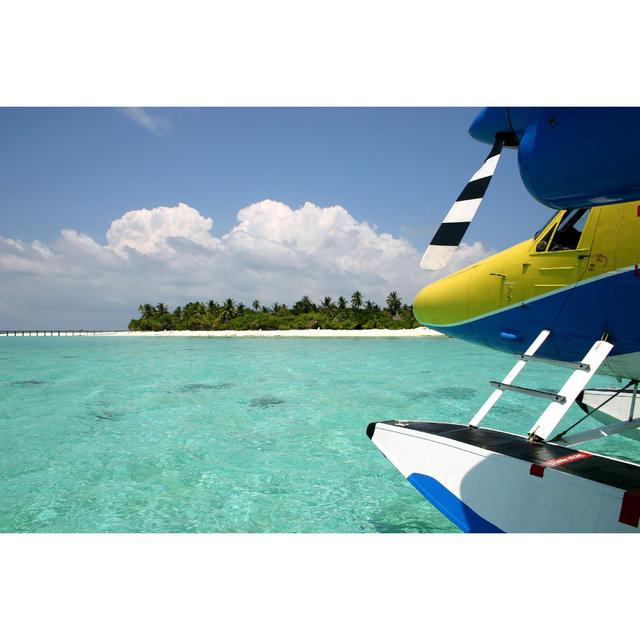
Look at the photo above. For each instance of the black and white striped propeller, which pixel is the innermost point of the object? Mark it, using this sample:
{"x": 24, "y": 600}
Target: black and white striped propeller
{"x": 456, "y": 222}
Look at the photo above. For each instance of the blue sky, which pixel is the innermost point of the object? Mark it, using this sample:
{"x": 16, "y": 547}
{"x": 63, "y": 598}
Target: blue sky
{"x": 397, "y": 168}
{"x": 394, "y": 170}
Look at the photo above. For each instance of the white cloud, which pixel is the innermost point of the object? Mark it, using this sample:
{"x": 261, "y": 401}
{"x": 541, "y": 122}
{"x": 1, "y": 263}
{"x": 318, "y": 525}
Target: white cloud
{"x": 149, "y": 230}
{"x": 155, "y": 123}
{"x": 273, "y": 253}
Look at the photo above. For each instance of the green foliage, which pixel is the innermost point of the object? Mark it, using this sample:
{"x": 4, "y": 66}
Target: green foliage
{"x": 303, "y": 314}
{"x": 394, "y": 303}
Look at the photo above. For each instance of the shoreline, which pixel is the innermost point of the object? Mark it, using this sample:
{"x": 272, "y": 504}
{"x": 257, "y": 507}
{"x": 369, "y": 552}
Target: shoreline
{"x": 418, "y": 332}
{"x": 291, "y": 333}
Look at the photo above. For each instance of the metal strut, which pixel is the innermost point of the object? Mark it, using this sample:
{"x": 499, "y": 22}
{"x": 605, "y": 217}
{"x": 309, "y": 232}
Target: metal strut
{"x": 589, "y": 413}
{"x": 509, "y": 378}
{"x": 576, "y": 382}
{"x": 561, "y": 401}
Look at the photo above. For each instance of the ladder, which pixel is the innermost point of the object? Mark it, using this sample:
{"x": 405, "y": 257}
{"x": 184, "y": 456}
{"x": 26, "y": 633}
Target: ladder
{"x": 561, "y": 401}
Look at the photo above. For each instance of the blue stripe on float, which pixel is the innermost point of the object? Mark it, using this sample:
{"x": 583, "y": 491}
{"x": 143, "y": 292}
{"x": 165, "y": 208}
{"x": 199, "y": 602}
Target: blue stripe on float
{"x": 451, "y": 506}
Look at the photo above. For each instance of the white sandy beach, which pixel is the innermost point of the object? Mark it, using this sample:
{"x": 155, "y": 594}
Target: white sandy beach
{"x": 291, "y": 333}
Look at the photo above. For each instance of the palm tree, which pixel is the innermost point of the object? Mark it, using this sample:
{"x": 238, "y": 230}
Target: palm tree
{"x": 328, "y": 305}
{"x": 304, "y": 305}
{"x": 256, "y": 305}
{"x": 394, "y": 304}
{"x": 212, "y": 306}
{"x": 369, "y": 306}
{"x": 228, "y": 308}
{"x": 276, "y": 307}
{"x": 189, "y": 310}
{"x": 356, "y": 300}
{"x": 146, "y": 310}
{"x": 161, "y": 308}
{"x": 342, "y": 303}
{"x": 240, "y": 308}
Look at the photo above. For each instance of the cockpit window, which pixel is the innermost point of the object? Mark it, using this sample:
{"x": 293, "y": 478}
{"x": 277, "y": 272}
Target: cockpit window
{"x": 569, "y": 230}
{"x": 543, "y": 243}
{"x": 544, "y": 226}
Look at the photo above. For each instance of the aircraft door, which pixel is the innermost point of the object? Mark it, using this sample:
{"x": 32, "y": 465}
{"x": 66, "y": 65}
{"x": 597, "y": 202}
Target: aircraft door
{"x": 561, "y": 253}
{"x": 615, "y": 246}
{"x": 608, "y": 241}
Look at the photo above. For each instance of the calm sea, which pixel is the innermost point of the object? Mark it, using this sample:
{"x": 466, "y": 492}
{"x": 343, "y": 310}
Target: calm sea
{"x": 234, "y": 435}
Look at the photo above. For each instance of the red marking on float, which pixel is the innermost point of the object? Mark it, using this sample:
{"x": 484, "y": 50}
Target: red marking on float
{"x": 630, "y": 509}
{"x": 538, "y": 469}
{"x": 572, "y": 457}
{"x": 638, "y": 211}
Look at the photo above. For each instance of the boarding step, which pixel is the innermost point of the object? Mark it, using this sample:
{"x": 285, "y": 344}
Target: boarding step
{"x": 555, "y": 363}
{"x": 577, "y": 381}
{"x": 561, "y": 401}
{"x": 509, "y": 378}
{"x": 538, "y": 393}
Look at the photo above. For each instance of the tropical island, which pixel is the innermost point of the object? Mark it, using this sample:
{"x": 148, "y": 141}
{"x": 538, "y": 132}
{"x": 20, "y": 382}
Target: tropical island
{"x": 303, "y": 314}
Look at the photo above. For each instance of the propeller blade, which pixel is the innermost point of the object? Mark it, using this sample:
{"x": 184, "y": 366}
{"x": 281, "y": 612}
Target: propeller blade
{"x": 455, "y": 224}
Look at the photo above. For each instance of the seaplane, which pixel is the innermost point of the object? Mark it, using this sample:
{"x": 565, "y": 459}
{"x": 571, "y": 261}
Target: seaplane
{"x": 569, "y": 297}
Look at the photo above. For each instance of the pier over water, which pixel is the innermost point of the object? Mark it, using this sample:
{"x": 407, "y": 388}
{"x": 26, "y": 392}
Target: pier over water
{"x": 60, "y": 332}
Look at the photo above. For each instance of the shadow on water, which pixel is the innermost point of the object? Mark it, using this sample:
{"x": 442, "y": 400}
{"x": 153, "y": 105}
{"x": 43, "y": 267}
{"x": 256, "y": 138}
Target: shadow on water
{"x": 417, "y": 395}
{"x": 103, "y": 411}
{"x": 384, "y": 524}
{"x": 508, "y": 410}
{"x": 107, "y": 416}
{"x": 455, "y": 393}
{"x": 204, "y": 386}
{"x": 28, "y": 382}
{"x": 265, "y": 402}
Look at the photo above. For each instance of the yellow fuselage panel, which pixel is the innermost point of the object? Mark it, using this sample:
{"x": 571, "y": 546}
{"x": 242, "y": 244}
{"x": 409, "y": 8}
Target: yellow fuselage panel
{"x": 610, "y": 240}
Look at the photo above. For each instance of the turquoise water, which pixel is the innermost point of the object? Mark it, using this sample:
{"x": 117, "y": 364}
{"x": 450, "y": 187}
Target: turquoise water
{"x": 234, "y": 435}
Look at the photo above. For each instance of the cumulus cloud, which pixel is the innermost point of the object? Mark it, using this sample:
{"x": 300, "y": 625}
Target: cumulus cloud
{"x": 151, "y": 122}
{"x": 169, "y": 254}
{"x": 148, "y": 230}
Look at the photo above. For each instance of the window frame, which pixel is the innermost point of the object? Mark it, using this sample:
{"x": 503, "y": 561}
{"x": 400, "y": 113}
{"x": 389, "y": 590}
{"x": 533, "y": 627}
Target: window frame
{"x": 551, "y": 228}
